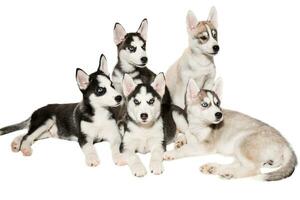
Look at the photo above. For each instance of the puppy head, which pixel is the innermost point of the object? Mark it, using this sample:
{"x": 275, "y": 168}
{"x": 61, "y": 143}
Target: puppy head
{"x": 144, "y": 100}
{"x": 97, "y": 88}
{"x": 132, "y": 46}
{"x": 204, "y": 104}
{"x": 203, "y": 34}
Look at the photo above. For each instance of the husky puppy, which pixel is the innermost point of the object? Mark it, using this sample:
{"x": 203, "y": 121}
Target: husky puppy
{"x": 87, "y": 122}
{"x": 197, "y": 60}
{"x": 253, "y": 144}
{"x": 132, "y": 57}
{"x": 150, "y": 125}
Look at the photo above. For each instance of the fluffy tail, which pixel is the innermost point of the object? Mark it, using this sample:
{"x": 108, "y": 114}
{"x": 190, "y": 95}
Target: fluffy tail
{"x": 15, "y": 127}
{"x": 287, "y": 168}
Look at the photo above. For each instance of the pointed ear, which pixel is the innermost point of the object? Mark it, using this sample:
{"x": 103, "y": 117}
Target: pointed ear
{"x": 128, "y": 85}
{"x": 218, "y": 87}
{"x": 159, "y": 84}
{"x": 82, "y": 79}
{"x": 213, "y": 16}
{"x": 143, "y": 29}
{"x": 119, "y": 33}
{"x": 191, "y": 21}
{"x": 103, "y": 65}
{"x": 192, "y": 91}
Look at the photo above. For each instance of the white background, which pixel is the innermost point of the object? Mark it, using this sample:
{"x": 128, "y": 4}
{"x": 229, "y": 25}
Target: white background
{"x": 42, "y": 42}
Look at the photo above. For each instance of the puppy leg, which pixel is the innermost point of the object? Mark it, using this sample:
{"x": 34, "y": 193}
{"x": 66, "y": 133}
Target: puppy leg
{"x": 89, "y": 151}
{"x": 16, "y": 143}
{"x": 115, "y": 142}
{"x": 156, "y": 165}
{"x": 187, "y": 150}
{"x": 135, "y": 164}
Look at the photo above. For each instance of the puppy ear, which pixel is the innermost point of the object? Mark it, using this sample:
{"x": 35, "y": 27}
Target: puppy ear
{"x": 143, "y": 29}
{"x": 119, "y": 33}
{"x": 191, "y": 21}
{"x": 192, "y": 91}
{"x": 128, "y": 85}
{"x": 103, "y": 65}
{"x": 218, "y": 87}
{"x": 212, "y": 17}
{"x": 159, "y": 84}
{"x": 82, "y": 79}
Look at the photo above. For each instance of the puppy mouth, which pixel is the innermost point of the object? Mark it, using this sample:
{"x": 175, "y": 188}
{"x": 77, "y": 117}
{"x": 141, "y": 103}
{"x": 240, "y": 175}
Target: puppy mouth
{"x": 211, "y": 54}
{"x": 217, "y": 121}
{"x": 138, "y": 65}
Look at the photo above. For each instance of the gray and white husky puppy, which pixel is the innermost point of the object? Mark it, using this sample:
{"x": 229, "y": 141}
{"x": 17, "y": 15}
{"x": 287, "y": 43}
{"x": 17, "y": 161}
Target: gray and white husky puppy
{"x": 87, "y": 122}
{"x": 252, "y": 143}
{"x": 149, "y": 125}
{"x": 197, "y": 60}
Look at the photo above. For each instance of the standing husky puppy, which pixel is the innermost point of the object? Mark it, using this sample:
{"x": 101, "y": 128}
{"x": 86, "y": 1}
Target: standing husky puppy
{"x": 132, "y": 58}
{"x": 149, "y": 126}
{"x": 197, "y": 60}
{"x": 87, "y": 122}
{"x": 253, "y": 143}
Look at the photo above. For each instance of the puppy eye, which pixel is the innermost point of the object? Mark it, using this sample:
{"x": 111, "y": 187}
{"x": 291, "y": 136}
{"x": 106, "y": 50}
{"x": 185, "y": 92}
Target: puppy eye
{"x": 132, "y": 48}
{"x": 100, "y": 91}
{"x": 136, "y": 102}
{"x": 218, "y": 103}
{"x": 151, "y": 101}
{"x": 204, "y": 104}
{"x": 214, "y": 33}
{"x": 203, "y": 37}
{"x": 144, "y": 47}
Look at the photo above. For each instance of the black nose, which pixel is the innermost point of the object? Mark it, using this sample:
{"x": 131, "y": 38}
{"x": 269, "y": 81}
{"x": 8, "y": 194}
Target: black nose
{"x": 216, "y": 48}
{"x": 118, "y": 98}
{"x": 218, "y": 115}
{"x": 144, "y": 60}
{"x": 144, "y": 116}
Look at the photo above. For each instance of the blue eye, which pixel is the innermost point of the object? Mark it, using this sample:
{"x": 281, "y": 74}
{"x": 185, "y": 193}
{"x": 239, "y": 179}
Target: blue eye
{"x": 132, "y": 48}
{"x": 204, "y": 104}
{"x": 136, "y": 102}
{"x": 100, "y": 91}
{"x": 151, "y": 101}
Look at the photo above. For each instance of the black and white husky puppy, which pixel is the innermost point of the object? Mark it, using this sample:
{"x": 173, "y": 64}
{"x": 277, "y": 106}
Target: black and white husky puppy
{"x": 150, "y": 125}
{"x": 87, "y": 122}
{"x": 132, "y": 57}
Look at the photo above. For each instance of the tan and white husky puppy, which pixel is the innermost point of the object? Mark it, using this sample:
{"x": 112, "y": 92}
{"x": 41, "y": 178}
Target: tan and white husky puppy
{"x": 253, "y": 144}
{"x": 197, "y": 60}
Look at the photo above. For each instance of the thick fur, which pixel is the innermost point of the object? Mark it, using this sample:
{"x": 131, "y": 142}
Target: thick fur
{"x": 253, "y": 144}
{"x": 153, "y": 133}
{"x": 87, "y": 122}
{"x": 197, "y": 60}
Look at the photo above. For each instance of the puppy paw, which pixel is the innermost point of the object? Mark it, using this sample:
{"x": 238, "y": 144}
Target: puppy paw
{"x": 156, "y": 167}
{"x": 119, "y": 160}
{"x": 227, "y": 176}
{"x": 208, "y": 169}
{"x": 138, "y": 170}
{"x": 170, "y": 155}
{"x": 92, "y": 160}
{"x": 27, "y": 151}
{"x": 15, "y": 145}
{"x": 180, "y": 141}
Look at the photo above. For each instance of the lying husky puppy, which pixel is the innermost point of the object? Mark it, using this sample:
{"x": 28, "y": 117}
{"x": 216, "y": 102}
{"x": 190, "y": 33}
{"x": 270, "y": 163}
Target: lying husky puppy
{"x": 253, "y": 143}
{"x": 87, "y": 122}
{"x": 197, "y": 60}
{"x": 149, "y": 124}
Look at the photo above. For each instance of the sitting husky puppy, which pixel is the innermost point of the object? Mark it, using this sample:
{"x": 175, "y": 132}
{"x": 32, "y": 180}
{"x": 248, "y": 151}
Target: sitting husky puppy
{"x": 150, "y": 125}
{"x": 253, "y": 143}
{"x": 197, "y": 60}
{"x": 132, "y": 57}
{"x": 87, "y": 122}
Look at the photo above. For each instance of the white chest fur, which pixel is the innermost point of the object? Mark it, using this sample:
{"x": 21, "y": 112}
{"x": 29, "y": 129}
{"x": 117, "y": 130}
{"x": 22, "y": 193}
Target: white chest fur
{"x": 143, "y": 139}
{"x": 101, "y": 126}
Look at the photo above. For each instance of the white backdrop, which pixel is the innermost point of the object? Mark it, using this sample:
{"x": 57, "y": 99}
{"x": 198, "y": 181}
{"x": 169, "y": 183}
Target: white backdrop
{"x": 42, "y": 42}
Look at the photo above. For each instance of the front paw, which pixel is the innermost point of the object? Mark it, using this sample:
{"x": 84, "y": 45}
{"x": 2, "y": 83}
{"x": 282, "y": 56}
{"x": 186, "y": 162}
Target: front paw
{"x": 119, "y": 159}
{"x": 92, "y": 160}
{"x": 156, "y": 167}
{"x": 180, "y": 141}
{"x": 170, "y": 155}
{"x": 138, "y": 170}
{"x": 208, "y": 169}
